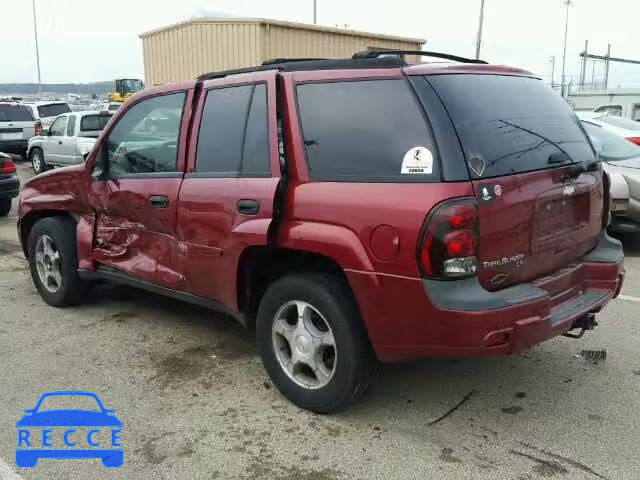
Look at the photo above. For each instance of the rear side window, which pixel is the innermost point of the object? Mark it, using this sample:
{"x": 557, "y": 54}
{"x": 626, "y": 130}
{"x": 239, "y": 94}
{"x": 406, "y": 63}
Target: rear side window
{"x": 14, "y": 113}
{"x": 94, "y": 123}
{"x": 233, "y": 137}
{"x": 366, "y": 130}
{"x": 510, "y": 124}
{"x": 53, "y": 110}
{"x": 71, "y": 125}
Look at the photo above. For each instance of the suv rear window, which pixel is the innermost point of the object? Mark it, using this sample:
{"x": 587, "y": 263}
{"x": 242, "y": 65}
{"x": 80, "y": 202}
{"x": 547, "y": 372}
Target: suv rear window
{"x": 14, "y": 113}
{"x": 364, "y": 130}
{"x": 510, "y": 124}
{"x": 94, "y": 123}
{"x": 53, "y": 110}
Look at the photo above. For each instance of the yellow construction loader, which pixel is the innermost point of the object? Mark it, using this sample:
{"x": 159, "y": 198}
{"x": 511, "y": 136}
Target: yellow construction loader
{"x": 124, "y": 88}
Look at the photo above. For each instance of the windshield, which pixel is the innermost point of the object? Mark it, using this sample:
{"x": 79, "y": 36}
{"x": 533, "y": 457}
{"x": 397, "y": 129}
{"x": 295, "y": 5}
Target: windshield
{"x": 131, "y": 86}
{"x": 510, "y": 124}
{"x": 609, "y": 146}
{"x": 619, "y": 122}
{"x": 53, "y": 110}
{"x": 14, "y": 113}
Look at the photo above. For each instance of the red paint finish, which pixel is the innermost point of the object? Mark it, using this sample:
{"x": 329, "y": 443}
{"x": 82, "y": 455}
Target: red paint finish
{"x": 534, "y": 228}
{"x": 371, "y": 230}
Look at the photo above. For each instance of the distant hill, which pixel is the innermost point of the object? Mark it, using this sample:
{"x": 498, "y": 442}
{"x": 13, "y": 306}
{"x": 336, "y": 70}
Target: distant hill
{"x": 99, "y": 88}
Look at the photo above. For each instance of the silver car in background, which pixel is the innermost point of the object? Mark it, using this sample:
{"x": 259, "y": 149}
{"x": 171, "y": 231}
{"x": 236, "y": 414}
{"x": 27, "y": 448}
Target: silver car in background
{"x": 621, "y": 161}
{"x": 68, "y": 141}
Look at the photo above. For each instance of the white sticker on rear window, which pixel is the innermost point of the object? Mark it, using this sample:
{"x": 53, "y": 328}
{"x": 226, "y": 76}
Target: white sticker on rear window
{"x": 417, "y": 161}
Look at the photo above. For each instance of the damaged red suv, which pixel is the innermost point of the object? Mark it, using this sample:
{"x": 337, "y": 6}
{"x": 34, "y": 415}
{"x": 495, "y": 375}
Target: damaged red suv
{"x": 348, "y": 210}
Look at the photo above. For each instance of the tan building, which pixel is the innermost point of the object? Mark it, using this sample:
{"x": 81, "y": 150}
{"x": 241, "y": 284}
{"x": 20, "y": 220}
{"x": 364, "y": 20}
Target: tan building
{"x": 188, "y": 49}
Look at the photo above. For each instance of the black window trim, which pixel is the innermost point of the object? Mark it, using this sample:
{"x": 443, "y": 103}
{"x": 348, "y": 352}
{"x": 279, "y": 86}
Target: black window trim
{"x": 177, "y": 174}
{"x": 238, "y": 174}
{"x": 360, "y": 178}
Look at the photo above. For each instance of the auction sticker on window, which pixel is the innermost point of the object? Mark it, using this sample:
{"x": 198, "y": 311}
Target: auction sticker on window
{"x": 417, "y": 161}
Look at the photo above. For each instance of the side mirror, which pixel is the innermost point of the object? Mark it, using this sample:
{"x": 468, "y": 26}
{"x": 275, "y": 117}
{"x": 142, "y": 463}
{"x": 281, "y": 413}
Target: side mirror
{"x": 48, "y": 132}
{"x": 100, "y": 165}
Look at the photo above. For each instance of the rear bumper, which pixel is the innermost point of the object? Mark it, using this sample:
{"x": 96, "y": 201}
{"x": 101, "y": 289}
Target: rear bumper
{"x": 9, "y": 186}
{"x": 13, "y": 146}
{"x": 460, "y": 318}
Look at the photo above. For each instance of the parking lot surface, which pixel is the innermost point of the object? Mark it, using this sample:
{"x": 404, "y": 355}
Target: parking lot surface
{"x": 196, "y": 403}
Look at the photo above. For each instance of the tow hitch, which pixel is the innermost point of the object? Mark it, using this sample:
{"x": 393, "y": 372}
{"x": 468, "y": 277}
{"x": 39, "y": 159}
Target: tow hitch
{"x": 585, "y": 322}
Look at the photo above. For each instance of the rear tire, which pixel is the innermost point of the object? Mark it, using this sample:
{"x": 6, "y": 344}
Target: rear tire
{"x": 5, "y": 206}
{"x": 53, "y": 261}
{"x": 37, "y": 160}
{"x": 328, "y": 299}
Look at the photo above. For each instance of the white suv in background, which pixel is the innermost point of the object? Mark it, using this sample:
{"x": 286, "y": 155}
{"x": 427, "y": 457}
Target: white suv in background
{"x": 47, "y": 111}
{"x": 17, "y": 126}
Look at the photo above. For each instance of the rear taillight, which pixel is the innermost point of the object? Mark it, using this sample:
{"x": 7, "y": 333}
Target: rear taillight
{"x": 7, "y": 166}
{"x": 606, "y": 200}
{"x": 38, "y": 127}
{"x": 635, "y": 140}
{"x": 449, "y": 246}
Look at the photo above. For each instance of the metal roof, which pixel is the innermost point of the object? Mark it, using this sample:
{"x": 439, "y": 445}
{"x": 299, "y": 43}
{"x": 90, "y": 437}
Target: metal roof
{"x": 300, "y": 26}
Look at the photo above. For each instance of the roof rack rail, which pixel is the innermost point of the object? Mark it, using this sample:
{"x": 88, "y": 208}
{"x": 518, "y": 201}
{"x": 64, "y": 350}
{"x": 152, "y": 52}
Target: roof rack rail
{"x": 308, "y": 64}
{"x": 422, "y": 53}
{"x": 274, "y": 61}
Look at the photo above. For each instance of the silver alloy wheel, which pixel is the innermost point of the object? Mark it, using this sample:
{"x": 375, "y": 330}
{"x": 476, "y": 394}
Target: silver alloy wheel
{"x": 304, "y": 345}
{"x": 36, "y": 160}
{"x": 48, "y": 263}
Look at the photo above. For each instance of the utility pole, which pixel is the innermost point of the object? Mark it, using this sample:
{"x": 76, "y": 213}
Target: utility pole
{"x": 35, "y": 31}
{"x": 479, "y": 39}
{"x": 553, "y": 69}
{"x": 315, "y": 11}
{"x": 606, "y": 67}
{"x": 583, "y": 68}
{"x": 564, "y": 52}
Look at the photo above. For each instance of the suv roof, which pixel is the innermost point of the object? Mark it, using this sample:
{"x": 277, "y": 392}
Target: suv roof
{"x": 365, "y": 59}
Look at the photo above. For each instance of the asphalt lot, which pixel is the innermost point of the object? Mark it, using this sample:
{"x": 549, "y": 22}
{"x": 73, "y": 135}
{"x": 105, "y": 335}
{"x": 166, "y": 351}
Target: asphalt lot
{"x": 196, "y": 402}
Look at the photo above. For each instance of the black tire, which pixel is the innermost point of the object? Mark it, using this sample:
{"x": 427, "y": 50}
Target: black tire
{"x": 41, "y": 166}
{"x": 62, "y": 230}
{"x": 355, "y": 365}
{"x": 5, "y": 206}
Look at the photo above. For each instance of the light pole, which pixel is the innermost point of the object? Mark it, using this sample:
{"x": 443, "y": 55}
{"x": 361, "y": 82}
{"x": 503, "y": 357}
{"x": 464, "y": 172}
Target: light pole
{"x": 553, "y": 68}
{"x": 35, "y": 31}
{"x": 564, "y": 52}
{"x": 315, "y": 11}
{"x": 479, "y": 39}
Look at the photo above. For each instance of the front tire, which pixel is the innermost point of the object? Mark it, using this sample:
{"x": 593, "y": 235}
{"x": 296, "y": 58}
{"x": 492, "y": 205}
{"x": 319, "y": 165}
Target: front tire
{"x": 5, "y": 206}
{"x": 37, "y": 160}
{"x": 313, "y": 343}
{"x": 53, "y": 261}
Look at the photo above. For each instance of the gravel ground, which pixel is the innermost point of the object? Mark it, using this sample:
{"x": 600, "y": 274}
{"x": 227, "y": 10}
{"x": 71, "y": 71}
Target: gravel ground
{"x": 196, "y": 402}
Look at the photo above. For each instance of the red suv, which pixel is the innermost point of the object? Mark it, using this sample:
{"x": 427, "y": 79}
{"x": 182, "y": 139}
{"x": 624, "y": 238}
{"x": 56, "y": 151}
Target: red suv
{"x": 348, "y": 210}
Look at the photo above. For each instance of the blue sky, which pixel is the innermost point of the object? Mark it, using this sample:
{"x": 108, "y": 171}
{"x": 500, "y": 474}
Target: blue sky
{"x": 89, "y": 40}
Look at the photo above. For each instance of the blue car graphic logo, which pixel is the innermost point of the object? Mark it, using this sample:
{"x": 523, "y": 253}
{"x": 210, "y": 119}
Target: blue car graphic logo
{"x": 42, "y": 430}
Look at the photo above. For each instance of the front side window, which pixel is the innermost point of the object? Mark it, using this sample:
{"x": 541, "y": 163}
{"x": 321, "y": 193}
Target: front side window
{"x": 146, "y": 137}
{"x": 233, "y": 138}
{"x": 367, "y": 130}
{"x": 58, "y": 127}
{"x": 71, "y": 125}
